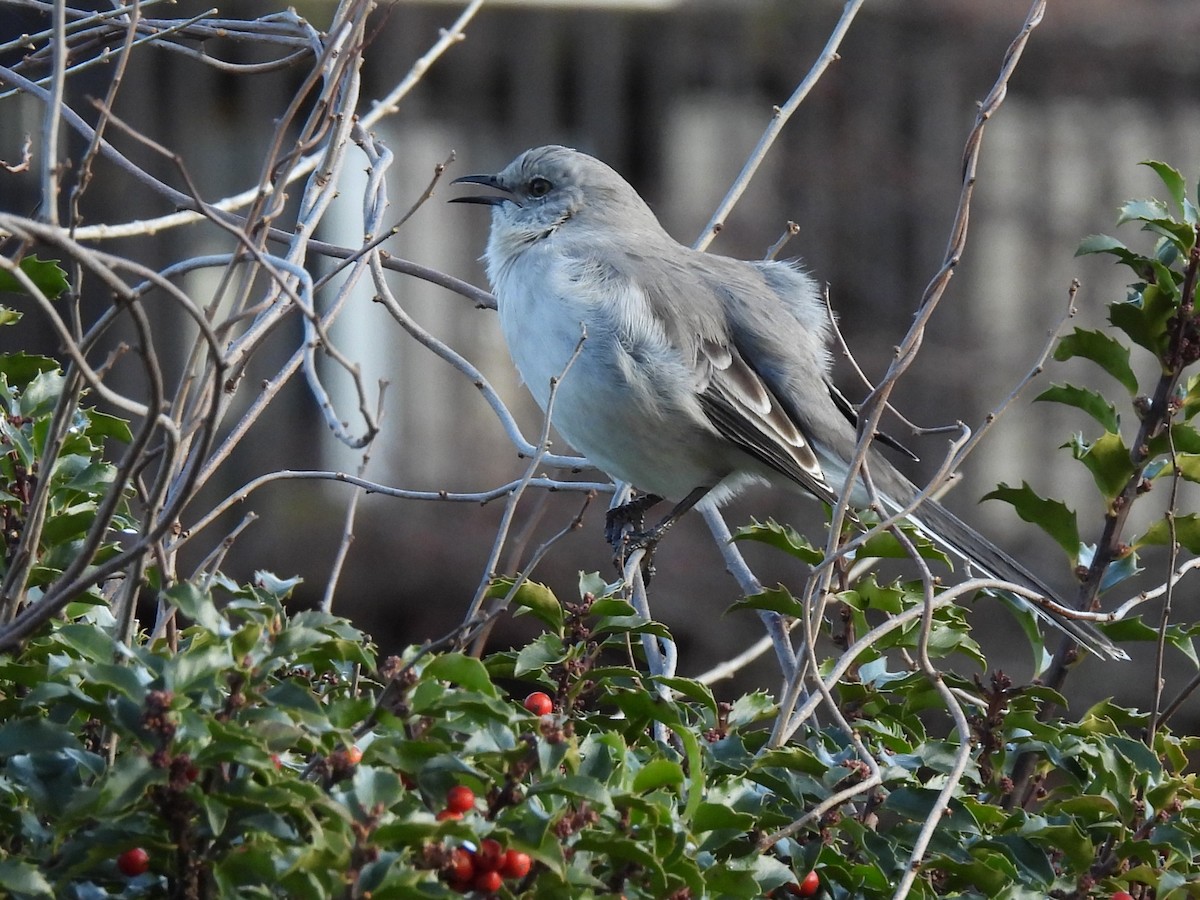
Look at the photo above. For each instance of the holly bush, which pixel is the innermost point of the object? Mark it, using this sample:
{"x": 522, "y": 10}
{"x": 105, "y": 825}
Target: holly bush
{"x": 241, "y": 748}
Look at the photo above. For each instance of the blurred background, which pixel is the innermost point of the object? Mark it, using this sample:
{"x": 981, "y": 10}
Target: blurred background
{"x": 674, "y": 95}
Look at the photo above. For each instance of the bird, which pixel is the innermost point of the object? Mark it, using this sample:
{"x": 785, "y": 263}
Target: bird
{"x": 692, "y": 375}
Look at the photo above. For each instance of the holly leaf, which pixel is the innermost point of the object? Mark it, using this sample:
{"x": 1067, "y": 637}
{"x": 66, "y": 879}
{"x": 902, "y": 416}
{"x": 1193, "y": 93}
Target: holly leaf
{"x": 530, "y": 598}
{"x": 46, "y": 275}
{"x": 1108, "y": 353}
{"x": 1107, "y": 458}
{"x": 782, "y": 537}
{"x": 1145, "y": 318}
{"x": 1174, "y": 182}
{"x": 779, "y": 600}
{"x": 1102, "y": 243}
{"x": 1053, "y": 516}
{"x": 1091, "y": 402}
{"x": 1187, "y": 533}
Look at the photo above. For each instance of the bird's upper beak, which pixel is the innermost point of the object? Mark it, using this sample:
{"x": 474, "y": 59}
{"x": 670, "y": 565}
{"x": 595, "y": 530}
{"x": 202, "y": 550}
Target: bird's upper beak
{"x": 490, "y": 181}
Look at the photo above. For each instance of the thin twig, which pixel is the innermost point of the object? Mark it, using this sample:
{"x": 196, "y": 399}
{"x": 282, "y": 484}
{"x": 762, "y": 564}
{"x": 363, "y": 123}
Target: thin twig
{"x": 779, "y": 118}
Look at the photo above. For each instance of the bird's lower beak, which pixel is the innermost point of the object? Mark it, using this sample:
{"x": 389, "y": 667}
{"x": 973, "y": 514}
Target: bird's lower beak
{"x": 488, "y": 180}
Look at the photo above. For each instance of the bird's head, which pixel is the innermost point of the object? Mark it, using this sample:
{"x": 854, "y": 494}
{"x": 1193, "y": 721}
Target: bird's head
{"x": 550, "y": 188}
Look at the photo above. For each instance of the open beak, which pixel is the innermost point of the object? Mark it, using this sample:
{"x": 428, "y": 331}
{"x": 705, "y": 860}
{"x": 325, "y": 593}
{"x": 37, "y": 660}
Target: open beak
{"x": 487, "y": 180}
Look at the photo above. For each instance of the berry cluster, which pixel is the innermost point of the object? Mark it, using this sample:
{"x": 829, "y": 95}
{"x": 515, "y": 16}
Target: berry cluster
{"x": 459, "y": 799}
{"x": 486, "y": 868}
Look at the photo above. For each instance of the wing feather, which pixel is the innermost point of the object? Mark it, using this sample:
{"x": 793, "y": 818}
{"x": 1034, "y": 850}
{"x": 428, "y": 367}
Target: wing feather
{"x": 743, "y": 409}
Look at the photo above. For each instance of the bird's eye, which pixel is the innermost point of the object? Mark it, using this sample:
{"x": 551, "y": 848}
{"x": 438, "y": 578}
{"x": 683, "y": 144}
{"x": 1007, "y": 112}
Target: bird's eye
{"x": 539, "y": 186}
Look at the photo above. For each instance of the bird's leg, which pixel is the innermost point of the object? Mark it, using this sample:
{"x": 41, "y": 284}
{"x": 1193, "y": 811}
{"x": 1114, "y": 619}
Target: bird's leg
{"x": 631, "y": 515}
{"x": 627, "y": 542}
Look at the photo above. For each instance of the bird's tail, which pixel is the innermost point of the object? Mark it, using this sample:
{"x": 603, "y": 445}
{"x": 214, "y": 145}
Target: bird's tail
{"x": 952, "y": 534}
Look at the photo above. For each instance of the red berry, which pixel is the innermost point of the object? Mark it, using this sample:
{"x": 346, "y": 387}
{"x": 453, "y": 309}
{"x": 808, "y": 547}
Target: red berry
{"x": 488, "y": 882}
{"x": 461, "y": 868}
{"x": 489, "y": 856}
{"x": 1122, "y": 895}
{"x": 192, "y": 772}
{"x": 353, "y": 755}
{"x": 460, "y": 798}
{"x": 133, "y": 862}
{"x": 515, "y": 864}
{"x": 539, "y": 703}
{"x": 448, "y": 814}
{"x": 276, "y": 761}
{"x": 809, "y": 885}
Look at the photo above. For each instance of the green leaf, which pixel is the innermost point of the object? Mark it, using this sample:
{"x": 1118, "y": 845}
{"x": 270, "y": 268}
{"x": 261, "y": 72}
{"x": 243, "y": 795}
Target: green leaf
{"x": 34, "y": 736}
{"x": 1102, "y": 243}
{"x": 1143, "y": 211}
{"x": 1191, "y": 399}
{"x": 279, "y": 588}
{"x": 1107, "y": 458}
{"x": 695, "y": 769}
{"x": 713, "y": 816}
{"x": 41, "y": 396}
{"x": 532, "y": 598}
{"x": 1091, "y": 402}
{"x": 1182, "y": 438}
{"x": 102, "y": 425}
{"x": 693, "y": 690}
{"x": 782, "y": 537}
{"x": 1106, "y": 352}
{"x": 20, "y": 878}
{"x": 92, "y": 643}
{"x": 46, "y": 275}
{"x": 462, "y": 670}
{"x": 870, "y": 594}
{"x": 577, "y": 787}
{"x": 1031, "y": 625}
{"x": 630, "y": 625}
{"x": 1171, "y": 179}
{"x": 1188, "y": 466}
{"x": 592, "y": 583}
{"x": 778, "y": 599}
{"x": 376, "y": 788}
{"x": 1146, "y": 319}
{"x": 21, "y": 368}
{"x": 546, "y": 650}
{"x": 751, "y": 708}
{"x": 658, "y": 773}
{"x": 886, "y": 545}
{"x": 1053, "y": 516}
{"x": 612, "y": 607}
{"x": 198, "y": 606}
{"x": 1187, "y": 533}
{"x": 918, "y": 803}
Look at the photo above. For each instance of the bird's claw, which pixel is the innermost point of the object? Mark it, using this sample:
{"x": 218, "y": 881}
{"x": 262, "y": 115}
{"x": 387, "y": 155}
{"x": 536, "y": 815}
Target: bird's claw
{"x": 625, "y": 532}
{"x": 632, "y": 541}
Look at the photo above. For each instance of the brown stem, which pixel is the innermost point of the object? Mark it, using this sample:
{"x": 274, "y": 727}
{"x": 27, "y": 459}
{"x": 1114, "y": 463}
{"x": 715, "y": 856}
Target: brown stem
{"x": 1109, "y": 548}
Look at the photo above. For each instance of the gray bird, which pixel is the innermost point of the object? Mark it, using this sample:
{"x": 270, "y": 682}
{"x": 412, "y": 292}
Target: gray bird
{"x": 698, "y": 373}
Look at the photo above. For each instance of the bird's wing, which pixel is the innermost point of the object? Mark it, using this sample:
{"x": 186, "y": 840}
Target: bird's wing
{"x": 743, "y": 409}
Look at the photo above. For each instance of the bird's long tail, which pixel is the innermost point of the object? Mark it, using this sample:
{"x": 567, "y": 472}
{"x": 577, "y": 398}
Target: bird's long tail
{"x": 952, "y": 534}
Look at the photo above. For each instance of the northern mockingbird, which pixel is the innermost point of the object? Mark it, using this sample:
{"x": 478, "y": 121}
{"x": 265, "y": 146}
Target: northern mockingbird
{"x": 698, "y": 373}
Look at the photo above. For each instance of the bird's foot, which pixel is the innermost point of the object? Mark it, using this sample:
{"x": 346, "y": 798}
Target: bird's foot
{"x": 629, "y": 516}
{"x": 633, "y": 541}
{"x": 623, "y": 528}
